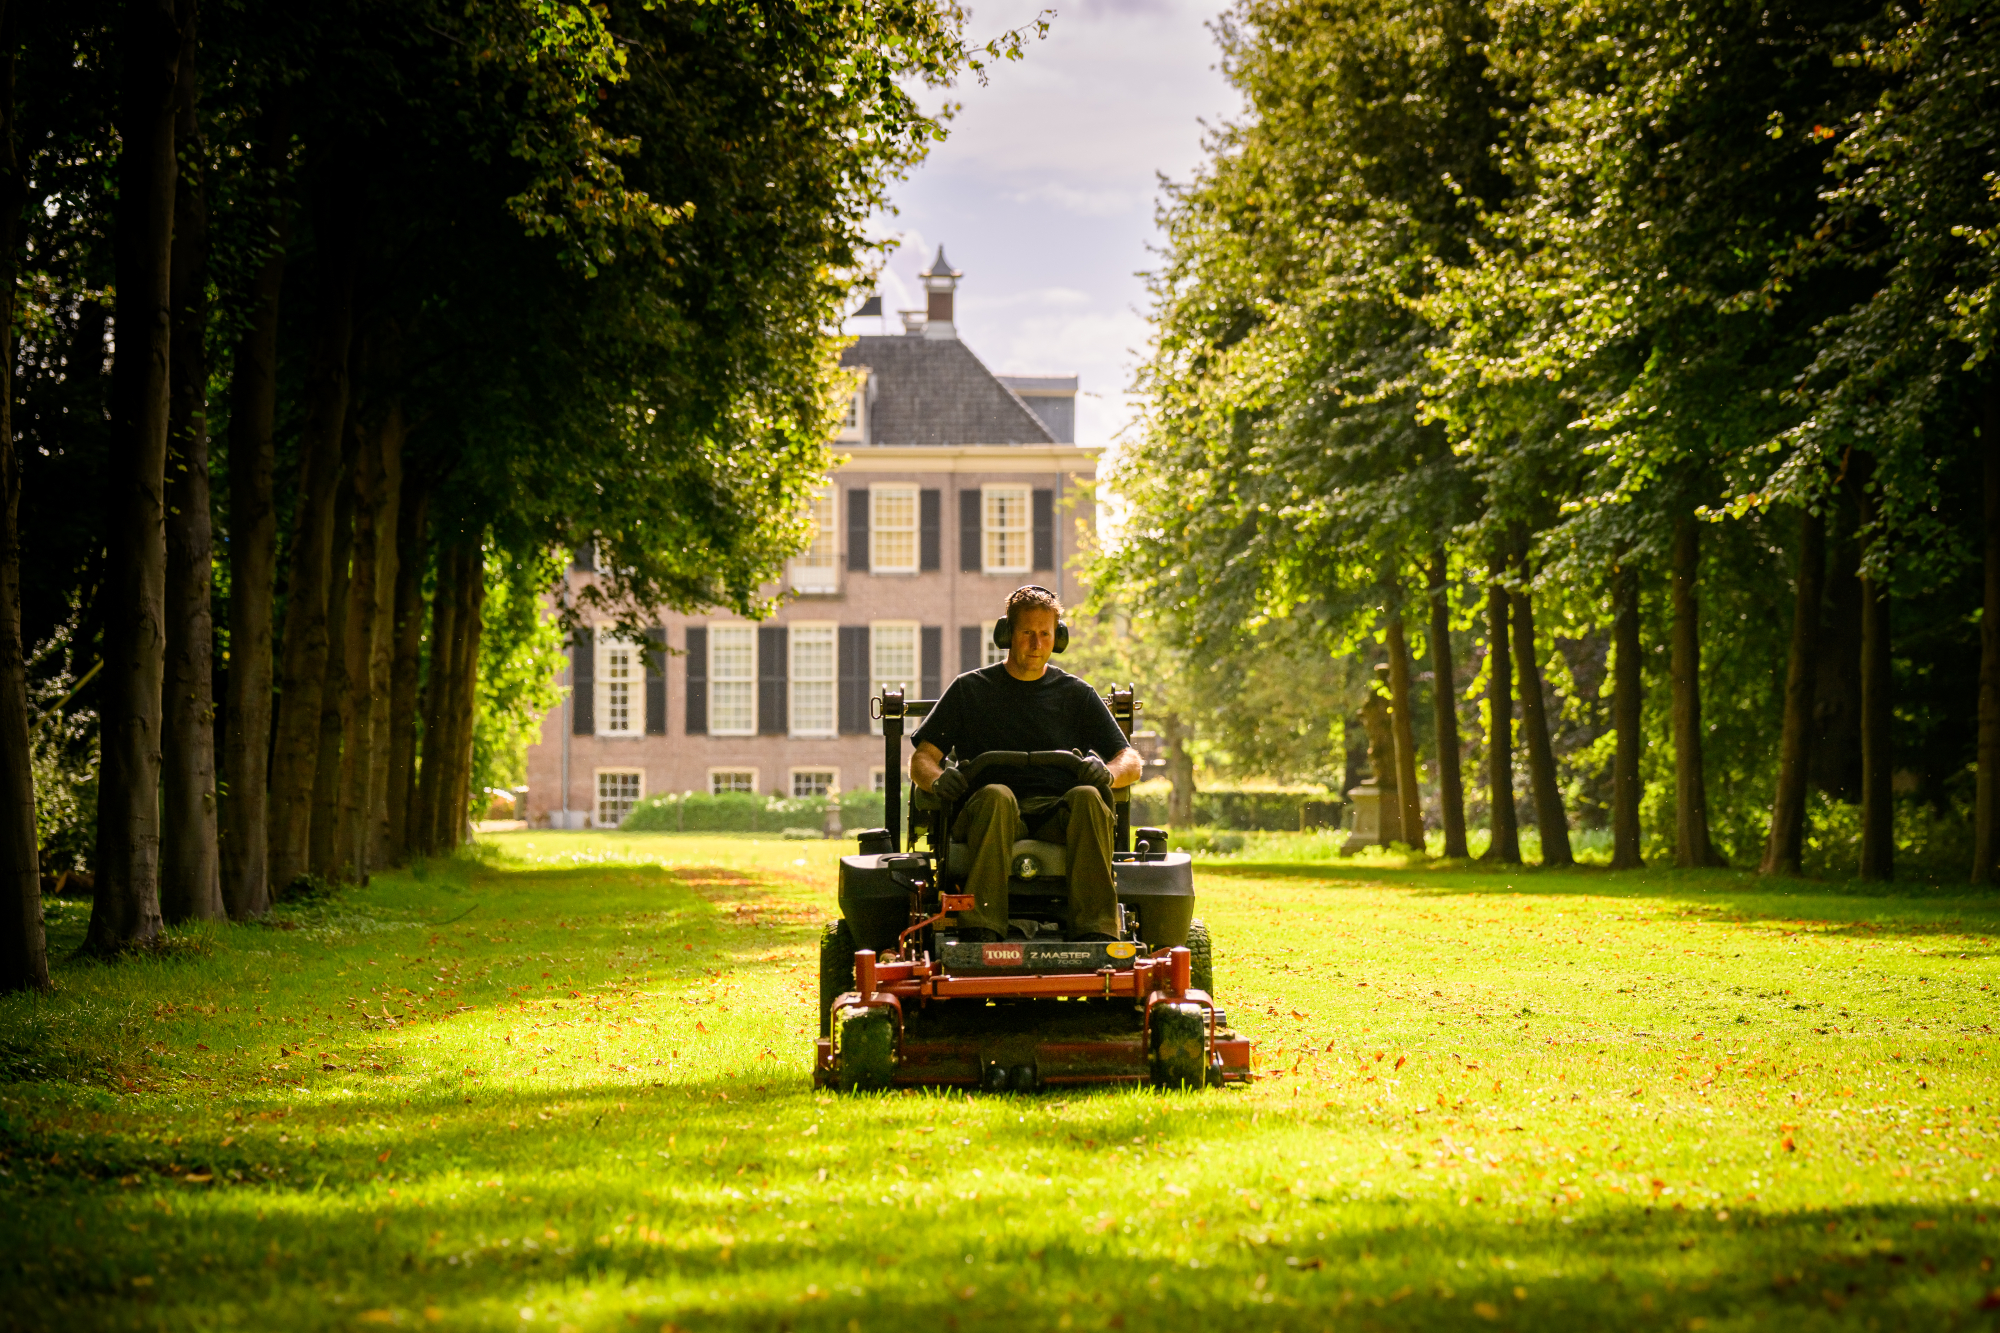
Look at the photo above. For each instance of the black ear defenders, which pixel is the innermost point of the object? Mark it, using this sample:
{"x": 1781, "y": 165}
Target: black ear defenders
{"x": 1003, "y": 628}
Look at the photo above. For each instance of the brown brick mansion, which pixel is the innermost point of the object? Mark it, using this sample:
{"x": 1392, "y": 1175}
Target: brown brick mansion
{"x": 958, "y": 486}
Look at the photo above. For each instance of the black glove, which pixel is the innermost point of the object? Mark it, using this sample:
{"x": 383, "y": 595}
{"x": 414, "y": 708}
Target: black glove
{"x": 1097, "y": 773}
{"x": 950, "y": 785}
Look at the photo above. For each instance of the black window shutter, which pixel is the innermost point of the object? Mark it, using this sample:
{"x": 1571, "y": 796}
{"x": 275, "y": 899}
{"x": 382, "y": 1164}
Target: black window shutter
{"x": 656, "y": 682}
{"x": 1045, "y": 529}
{"x": 697, "y": 680}
{"x": 971, "y": 648}
{"x": 969, "y": 558}
{"x": 930, "y": 661}
{"x": 583, "y": 683}
{"x": 857, "y": 529}
{"x": 772, "y": 674}
{"x": 930, "y": 521}
{"x": 853, "y": 687}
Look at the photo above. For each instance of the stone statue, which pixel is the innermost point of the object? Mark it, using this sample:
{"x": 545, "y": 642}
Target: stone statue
{"x": 1377, "y": 818}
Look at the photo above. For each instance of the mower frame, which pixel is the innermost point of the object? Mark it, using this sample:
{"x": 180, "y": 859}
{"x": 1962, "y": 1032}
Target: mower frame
{"x": 899, "y": 984}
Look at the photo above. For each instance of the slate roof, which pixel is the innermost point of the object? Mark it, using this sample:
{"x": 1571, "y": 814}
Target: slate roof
{"x": 935, "y": 391}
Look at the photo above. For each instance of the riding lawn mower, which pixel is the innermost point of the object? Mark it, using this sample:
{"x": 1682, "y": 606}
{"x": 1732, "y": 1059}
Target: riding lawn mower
{"x": 904, "y": 1002}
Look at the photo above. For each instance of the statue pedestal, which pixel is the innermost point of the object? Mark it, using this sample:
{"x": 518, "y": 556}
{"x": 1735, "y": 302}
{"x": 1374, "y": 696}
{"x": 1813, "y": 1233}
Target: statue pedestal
{"x": 1377, "y": 818}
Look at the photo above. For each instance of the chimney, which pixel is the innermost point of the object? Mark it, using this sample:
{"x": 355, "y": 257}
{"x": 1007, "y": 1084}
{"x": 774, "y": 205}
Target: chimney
{"x": 940, "y": 281}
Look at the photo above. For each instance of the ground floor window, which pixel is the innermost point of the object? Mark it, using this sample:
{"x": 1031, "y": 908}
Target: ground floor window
{"x": 814, "y": 781}
{"x": 877, "y": 779}
{"x": 618, "y": 790}
{"x": 813, "y": 680}
{"x": 892, "y": 650}
{"x": 994, "y": 654}
{"x": 721, "y": 780}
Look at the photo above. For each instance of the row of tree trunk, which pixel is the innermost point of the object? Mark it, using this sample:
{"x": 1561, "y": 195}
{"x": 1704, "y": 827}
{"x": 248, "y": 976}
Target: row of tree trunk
{"x": 1811, "y": 678}
{"x": 328, "y": 766}
{"x": 1515, "y": 693}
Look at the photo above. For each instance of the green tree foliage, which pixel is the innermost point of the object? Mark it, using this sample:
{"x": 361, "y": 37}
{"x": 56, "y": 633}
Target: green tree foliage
{"x": 487, "y": 282}
{"x": 1534, "y": 287}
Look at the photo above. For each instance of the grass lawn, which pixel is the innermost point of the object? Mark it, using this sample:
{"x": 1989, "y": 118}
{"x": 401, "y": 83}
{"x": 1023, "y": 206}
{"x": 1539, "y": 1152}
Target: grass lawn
{"x": 565, "y": 1085}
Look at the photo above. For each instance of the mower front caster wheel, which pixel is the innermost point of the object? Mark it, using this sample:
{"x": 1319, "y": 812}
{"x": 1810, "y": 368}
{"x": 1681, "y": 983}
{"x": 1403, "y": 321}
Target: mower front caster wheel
{"x": 865, "y": 1050}
{"x": 1179, "y": 1054}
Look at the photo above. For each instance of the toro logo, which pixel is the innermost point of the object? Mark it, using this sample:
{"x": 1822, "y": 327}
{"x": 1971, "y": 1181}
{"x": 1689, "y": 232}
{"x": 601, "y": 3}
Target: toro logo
{"x": 1002, "y": 955}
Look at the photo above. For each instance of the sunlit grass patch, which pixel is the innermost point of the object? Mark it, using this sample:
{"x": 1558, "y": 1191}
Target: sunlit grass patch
{"x": 566, "y": 1082}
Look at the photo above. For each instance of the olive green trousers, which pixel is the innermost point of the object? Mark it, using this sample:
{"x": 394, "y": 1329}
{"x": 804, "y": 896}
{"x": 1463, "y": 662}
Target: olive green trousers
{"x": 993, "y": 820}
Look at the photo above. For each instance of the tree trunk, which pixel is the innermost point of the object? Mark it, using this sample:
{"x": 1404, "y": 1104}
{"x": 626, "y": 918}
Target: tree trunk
{"x": 1878, "y": 749}
{"x": 374, "y": 830}
{"x": 1550, "y": 818}
{"x": 334, "y": 703}
{"x": 1506, "y": 844}
{"x": 1407, "y": 795}
{"x": 1444, "y": 706}
{"x": 357, "y": 757}
{"x": 1834, "y": 760}
{"x": 465, "y": 693}
{"x": 437, "y": 690}
{"x": 24, "y": 953}
{"x": 1692, "y": 846}
{"x": 253, "y": 556}
{"x": 190, "y": 864}
{"x": 126, "y": 906}
{"x": 1180, "y": 769}
{"x": 1986, "y": 800}
{"x": 401, "y": 799}
{"x": 1784, "y": 848}
{"x": 1628, "y": 690}
{"x": 295, "y": 750}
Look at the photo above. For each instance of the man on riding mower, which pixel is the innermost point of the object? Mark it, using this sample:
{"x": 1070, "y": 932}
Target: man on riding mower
{"x": 1023, "y": 703}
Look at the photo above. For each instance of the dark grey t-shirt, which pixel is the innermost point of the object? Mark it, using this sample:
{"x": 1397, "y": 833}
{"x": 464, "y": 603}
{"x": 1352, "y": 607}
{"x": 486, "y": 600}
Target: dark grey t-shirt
{"x": 990, "y": 710}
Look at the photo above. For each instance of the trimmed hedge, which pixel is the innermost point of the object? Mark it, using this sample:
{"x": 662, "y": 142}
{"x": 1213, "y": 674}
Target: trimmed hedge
{"x": 1246, "y": 811}
{"x": 742, "y": 812}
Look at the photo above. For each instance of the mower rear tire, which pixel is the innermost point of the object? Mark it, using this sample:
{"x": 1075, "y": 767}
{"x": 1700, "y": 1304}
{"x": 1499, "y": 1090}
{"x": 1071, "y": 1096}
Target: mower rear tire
{"x": 865, "y": 1055}
{"x": 1179, "y": 1042}
{"x": 1201, "y": 967}
{"x": 836, "y": 970}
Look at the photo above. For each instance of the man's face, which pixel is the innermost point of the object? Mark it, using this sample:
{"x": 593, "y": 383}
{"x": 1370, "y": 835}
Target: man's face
{"x": 1034, "y": 640}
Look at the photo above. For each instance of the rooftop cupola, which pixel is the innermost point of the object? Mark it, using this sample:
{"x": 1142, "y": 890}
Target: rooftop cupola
{"x": 940, "y": 281}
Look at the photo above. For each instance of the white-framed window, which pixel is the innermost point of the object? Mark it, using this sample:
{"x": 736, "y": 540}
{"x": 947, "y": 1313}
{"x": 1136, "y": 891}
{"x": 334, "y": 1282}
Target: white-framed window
{"x": 892, "y": 529}
{"x": 878, "y": 779}
{"x": 618, "y": 790}
{"x": 892, "y": 660}
{"x": 621, "y": 687}
{"x": 1005, "y": 529}
{"x": 814, "y": 670}
{"x": 817, "y": 569}
{"x": 815, "y": 781}
{"x": 732, "y": 680}
{"x": 992, "y": 654}
{"x": 725, "y": 780}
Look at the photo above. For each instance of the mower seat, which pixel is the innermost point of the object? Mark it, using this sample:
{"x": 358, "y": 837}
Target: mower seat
{"x": 1051, "y": 858}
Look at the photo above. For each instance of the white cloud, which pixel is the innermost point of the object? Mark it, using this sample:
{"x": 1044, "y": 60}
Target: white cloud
{"x": 1044, "y": 192}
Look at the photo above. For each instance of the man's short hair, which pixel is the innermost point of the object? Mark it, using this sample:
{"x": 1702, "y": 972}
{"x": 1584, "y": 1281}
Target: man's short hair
{"x": 1032, "y": 599}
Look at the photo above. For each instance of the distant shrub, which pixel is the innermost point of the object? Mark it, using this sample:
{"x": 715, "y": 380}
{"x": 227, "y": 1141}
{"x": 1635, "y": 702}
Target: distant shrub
{"x": 742, "y": 812}
{"x": 1207, "y": 840}
{"x": 1250, "y": 811}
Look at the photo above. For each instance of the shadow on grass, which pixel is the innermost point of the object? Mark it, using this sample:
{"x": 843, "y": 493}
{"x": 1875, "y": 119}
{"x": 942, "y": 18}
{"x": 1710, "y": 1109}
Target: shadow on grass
{"x": 706, "y": 1244}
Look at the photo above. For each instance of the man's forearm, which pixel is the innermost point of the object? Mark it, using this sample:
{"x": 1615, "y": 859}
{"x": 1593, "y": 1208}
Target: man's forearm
{"x": 925, "y": 765}
{"x": 1126, "y": 767}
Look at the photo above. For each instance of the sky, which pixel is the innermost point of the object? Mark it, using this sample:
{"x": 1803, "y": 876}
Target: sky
{"x": 1043, "y": 194}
